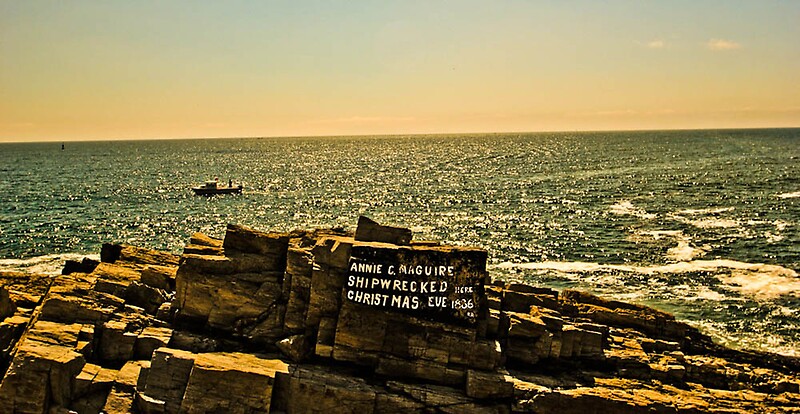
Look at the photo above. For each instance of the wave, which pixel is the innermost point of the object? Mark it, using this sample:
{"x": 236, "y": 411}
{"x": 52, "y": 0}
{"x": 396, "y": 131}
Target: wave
{"x": 758, "y": 280}
{"x": 683, "y": 249}
{"x": 626, "y": 208}
{"x": 705, "y": 211}
{"x": 757, "y": 339}
{"x": 50, "y": 264}
{"x": 795, "y": 194}
{"x": 708, "y": 223}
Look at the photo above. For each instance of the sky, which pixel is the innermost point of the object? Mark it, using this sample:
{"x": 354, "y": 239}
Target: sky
{"x": 96, "y": 70}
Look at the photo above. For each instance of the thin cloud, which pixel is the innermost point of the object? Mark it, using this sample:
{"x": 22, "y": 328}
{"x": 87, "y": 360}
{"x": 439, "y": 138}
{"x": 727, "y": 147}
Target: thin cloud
{"x": 653, "y": 44}
{"x": 722, "y": 44}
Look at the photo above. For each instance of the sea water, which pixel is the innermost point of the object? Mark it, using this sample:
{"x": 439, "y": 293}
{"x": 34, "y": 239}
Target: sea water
{"x": 703, "y": 224}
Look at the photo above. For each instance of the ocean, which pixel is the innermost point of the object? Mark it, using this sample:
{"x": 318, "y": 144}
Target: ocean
{"x": 703, "y": 224}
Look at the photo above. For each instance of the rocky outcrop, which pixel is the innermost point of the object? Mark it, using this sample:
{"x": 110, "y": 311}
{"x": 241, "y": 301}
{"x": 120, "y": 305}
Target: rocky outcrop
{"x": 371, "y": 322}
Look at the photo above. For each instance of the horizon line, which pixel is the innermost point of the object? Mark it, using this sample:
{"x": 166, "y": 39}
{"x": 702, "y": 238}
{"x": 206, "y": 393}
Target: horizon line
{"x": 47, "y": 140}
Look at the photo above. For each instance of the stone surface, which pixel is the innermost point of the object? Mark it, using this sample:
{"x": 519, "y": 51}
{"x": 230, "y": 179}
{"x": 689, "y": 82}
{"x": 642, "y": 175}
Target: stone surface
{"x": 7, "y": 306}
{"x": 264, "y": 322}
{"x": 370, "y": 231}
{"x": 231, "y": 383}
{"x": 40, "y": 377}
{"x": 86, "y": 265}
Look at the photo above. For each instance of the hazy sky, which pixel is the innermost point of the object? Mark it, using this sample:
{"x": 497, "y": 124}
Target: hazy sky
{"x": 162, "y": 69}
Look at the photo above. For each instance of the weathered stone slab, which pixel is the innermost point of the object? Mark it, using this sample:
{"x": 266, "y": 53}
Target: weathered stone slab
{"x": 116, "y": 344}
{"x": 247, "y": 240}
{"x": 436, "y": 283}
{"x": 297, "y": 288}
{"x": 145, "y": 297}
{"x": 149, "y": 340}
{"x": 86, "y": 265}
{"x": 111, "y": 253}
{"x": 318, "y": 391}
{"x": 160, "y": 277}
{"x": 73, "y": 299}
{"x": 40, "y": 377}
{"x": 166, "y": 380}
{"x": 370, "y": 231}
{"x": 489, "y": 384}
{"x": 231, "y": 383}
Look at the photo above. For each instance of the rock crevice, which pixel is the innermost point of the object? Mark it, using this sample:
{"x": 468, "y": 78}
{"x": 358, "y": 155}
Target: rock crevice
{"x": 372, "y": 322}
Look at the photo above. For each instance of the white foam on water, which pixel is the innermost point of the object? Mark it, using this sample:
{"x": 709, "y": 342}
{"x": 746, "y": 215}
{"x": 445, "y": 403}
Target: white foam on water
{"x": 781, "y": 225}
{"x": 717, "y": 210}
{"x": 626, "y": 208}
{"x": 683, "y": 250}
{"x": 756, "y": 340}
{"x": 758, "y": 280}
{"x": 795, "y": 194}
{"x": 773, "y": 238}
{"x": 763, "y": 284}
{"x": 706, "y": 218}
{"x": 50, "y": 264}
{"x": 708, "y": 223}
{"x": 695, "y": 293}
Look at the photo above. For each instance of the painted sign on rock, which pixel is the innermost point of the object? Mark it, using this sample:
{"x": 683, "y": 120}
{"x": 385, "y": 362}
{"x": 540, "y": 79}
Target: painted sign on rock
{"x": 436, "y": 283}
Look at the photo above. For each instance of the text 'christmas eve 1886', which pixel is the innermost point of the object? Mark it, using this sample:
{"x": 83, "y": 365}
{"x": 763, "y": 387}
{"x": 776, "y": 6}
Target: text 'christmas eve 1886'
{"x": 427, "y": 290}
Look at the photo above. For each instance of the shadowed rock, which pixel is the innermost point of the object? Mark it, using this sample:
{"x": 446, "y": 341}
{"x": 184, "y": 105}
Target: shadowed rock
{"x": 370, "y": 231}
{"x": 320, "y": 321}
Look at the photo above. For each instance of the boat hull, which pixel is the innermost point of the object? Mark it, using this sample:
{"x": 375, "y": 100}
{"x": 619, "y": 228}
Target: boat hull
{"x": 219, "y": 190}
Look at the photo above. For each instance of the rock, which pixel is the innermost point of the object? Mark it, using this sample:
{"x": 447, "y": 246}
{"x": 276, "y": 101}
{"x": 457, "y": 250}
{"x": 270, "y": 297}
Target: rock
{"x": 180, "y": 381}
{"x": 116, "y": 343}
{"x": 112, "y": 340}
{"x": 370, "y": 231}
{"x": 128, "y": 376}
{"x": 86, "y": 265}
{"x": 189, "y": 341}
{"x": 145, "y": 297}
{"x": 72, "y": 298}
{"x": 576, "y": 342}
{"x": 524, "y": 325}
{"x": 111, "y": 253}
{"x": 142, "y": 256}
{"x": 489, "y": 385}
{"x": 119, "y": 402}
{"x": 522, "y": 302}
{"x": 11, "y": 329}
{"x": 7, "y": 307}
{"x": 202, "y": 244}
{"x": 247, "y": 240}
{"x": 441, "y": 399}
{"x": 297, "y": 288}
{"x": 91, "y": 388}
{"x": 248, "y": 380}
{"x": 40, "y": 377}
{"x": 149, "y": 340}
{"x": 166, "y": 381}
{"x": 317, "y": 391}
{"x": 624, "y": 315}
{"x": 201, "y": 239}
{"x": 149, "y": 405}
{"x": 212, "y": 292}
{"x": 296, "y": 347}
{"x": 25, "y": 289}
{"x": 159, "y": 277}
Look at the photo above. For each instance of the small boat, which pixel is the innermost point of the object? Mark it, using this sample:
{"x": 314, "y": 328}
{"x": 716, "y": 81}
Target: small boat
{"x": 213, "y": 187}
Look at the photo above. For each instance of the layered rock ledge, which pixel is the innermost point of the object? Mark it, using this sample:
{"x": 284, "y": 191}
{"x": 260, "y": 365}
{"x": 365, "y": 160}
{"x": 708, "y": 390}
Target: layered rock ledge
{"x": 372, "y": 322}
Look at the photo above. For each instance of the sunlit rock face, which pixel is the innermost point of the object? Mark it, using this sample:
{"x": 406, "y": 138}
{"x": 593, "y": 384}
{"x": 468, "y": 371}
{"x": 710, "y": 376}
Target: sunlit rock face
{"x": 370, "y": 322}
